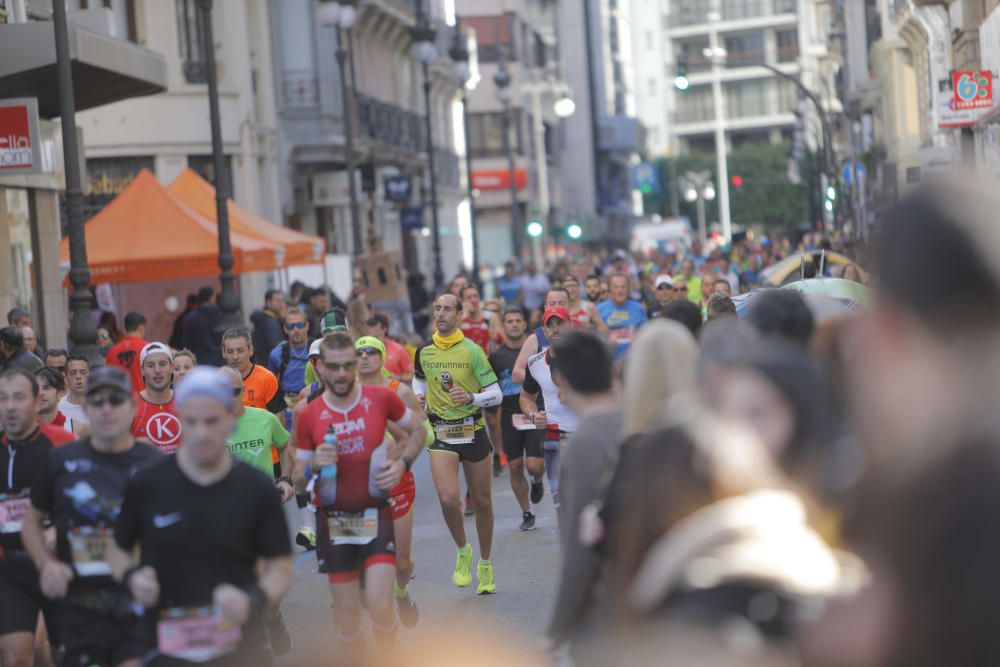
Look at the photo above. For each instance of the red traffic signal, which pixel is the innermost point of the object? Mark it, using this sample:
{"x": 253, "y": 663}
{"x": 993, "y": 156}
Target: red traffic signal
{"x": 737, "y": 181}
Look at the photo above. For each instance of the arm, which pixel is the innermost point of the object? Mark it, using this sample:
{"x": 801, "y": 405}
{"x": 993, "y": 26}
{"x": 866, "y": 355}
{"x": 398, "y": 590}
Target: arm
{"x": 393, "y": 470}
{"x": 496, "y": 332}
{"x": 598, "y": 321}
{"x": 529, "y": 348}
{"x": 288, "y": 466}
{"x": 530, "y": 408}
{"x": 54, "y": 576}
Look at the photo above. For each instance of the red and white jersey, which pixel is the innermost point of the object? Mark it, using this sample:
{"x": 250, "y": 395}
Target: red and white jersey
{"x": 477, "y": 332}
{"x": 158, "y": 424}
{"x": 360, "y": 430}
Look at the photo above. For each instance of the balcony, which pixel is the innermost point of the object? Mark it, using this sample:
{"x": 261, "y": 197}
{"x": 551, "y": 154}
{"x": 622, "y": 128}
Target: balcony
{"x": 695, "y": 12}
{"x": 299, "y": 90}
{"x": 389, "y": 124}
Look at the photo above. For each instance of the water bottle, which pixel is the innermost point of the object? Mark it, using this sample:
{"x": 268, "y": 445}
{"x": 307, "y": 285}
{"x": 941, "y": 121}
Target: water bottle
{"x": 327, "y": 483}
{"x": 374, "y": 468}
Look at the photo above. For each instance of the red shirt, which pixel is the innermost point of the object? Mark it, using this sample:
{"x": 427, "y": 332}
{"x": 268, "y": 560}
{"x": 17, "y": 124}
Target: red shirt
{"x": 477, "y": 332}
{"x": 158, "y": 424}
{"x": 58, "y": 436}
{"x": 360, "y": 430}
{"x": 397, "y": 359}
{"x": 125, "y": 354}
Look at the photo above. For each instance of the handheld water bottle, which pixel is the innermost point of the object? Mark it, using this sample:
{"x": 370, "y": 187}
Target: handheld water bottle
{"x": 327, "y": 481}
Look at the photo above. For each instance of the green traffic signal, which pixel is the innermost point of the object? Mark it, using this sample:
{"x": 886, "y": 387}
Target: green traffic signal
{"x": 574, "y": 231}
{"x": 535, "y": 228}
{"x": 831, "y": 192}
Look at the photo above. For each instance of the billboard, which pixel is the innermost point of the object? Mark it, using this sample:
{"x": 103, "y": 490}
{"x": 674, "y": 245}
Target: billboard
{"x": 20, "y": 145}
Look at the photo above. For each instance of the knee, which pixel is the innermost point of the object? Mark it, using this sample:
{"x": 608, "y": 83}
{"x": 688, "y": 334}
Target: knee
{"x": 535, "y": 467}
{"x": 516, "y": 466}
{"x": 450, "y": 501}
{"x": 482, "y": 500}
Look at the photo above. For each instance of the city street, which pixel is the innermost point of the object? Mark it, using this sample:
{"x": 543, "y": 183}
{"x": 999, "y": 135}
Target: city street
{"x": 527, "y": 566}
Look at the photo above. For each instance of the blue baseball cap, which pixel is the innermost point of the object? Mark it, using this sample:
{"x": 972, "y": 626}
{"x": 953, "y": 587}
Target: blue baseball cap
{"x": 205, "y": 381}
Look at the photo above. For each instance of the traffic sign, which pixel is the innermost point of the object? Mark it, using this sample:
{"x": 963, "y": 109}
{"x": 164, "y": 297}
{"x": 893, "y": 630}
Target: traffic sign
{"x": 848, "y": 173}
{"x": 646, "y": 177}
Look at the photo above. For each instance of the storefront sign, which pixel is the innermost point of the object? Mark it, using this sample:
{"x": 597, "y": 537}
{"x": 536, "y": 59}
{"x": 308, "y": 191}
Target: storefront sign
{"x": 331, "y": 188}
{"x": 20, "y": 144}
{"x": 499, "y": 179}
{"x": 950, "y": 114}
{"x": 411, "y": 217}
{"x": 398, "y": 188}
{"x": 973, "y": 89}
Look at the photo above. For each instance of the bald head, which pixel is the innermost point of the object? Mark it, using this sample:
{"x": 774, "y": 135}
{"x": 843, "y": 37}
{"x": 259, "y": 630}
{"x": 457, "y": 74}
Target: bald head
{"x": 447, "y": 310}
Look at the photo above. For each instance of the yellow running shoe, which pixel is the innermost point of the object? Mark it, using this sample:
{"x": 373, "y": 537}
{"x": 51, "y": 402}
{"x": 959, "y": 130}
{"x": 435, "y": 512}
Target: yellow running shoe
{"x": 484, "y": 572}
{"x": 463, "y": 567}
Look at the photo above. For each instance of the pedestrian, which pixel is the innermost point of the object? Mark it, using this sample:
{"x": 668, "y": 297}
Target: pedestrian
{"x": 125, "y": 353}
{"x": 622, "y": 315}
{"x": 56, "y": 358}
{"x": 110, "y": 322}
{"x": 199, "y": 329}
{"x": 51, "y": 389}
{"x": 13, "y": 351}
{"x": 509, "y": 285}
{"x": 242, "y": 564}
{"x": 318, "y": 303}
{"x": 77, "y": 372}
{"x": 397, "y": 359}
{"x": 267, "y": 325}
{"x": 184, "y": 361}
{"x": 104, "y": 342}
{"x": 177, "y": 332}
{"x": 156, "y": 420}
{"x": 287, "y": 360}
{"x": 534, "y": 285}
{"x": 19, "y": 317}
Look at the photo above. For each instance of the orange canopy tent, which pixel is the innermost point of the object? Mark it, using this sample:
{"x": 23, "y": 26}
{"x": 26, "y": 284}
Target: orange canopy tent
{"x": 199, "y": 194}
{"x": 146, "y": 233}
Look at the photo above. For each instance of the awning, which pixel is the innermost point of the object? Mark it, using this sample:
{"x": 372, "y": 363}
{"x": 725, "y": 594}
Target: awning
{"x": 146, "y": 233}
{"x": 105, "y": 69}
{"x": 199, "y": 194}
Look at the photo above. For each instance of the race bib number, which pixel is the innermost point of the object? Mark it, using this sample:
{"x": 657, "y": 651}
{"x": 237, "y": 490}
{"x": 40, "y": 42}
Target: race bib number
{"x": 522, "y": 422}
{"x": 89, "y": 546}
{"x": 197, "y": 634}
{"x": 353, "y": 527}
{"x": 12, "y": 511}
{"x": 458, "y": 432}
{"x": 622, "y": 335}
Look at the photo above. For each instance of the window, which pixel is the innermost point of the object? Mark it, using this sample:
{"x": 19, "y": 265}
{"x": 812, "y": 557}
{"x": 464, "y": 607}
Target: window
{"x": 788, "y": 96}
{"x": 486, "y": 134}
{"x": 745, "y": 49}
{"x": 692, "y": 55}
{"x": 190, "y": 34}
{"x": 746, "y": 98}
{"x": 695, "y": 106}
{"x": 788, "y": 45}
{"x": 493, "y": 34}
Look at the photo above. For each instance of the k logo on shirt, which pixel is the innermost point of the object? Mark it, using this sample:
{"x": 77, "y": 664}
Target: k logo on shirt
{"x": 163, "y": 429}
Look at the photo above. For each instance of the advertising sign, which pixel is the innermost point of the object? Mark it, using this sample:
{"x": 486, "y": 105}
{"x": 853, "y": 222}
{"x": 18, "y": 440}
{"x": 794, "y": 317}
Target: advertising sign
{"x": 499, "y": 179}
{"x": 951, "y": 114}
{"x": 20, "y": 145}
{"x": 972, "y": 89}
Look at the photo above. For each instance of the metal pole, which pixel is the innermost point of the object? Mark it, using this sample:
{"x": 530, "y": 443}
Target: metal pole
{"x": 675, "y": 191}
{"x": 720, "y": 133}
{"x": 542, "y": 165}
{"x": 436, "y": 233}
{"x": 347, "y": 107}
{"x": 82, "y": 332}
{"x": 509, "y": 151}
{"x": 228, "y": 302}
{"x": 468, "y": 174}
{"x": 702, "y": 227}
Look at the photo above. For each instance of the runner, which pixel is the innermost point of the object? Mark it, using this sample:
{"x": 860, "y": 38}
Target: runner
{"x": 354, "y": 519}
{"x": 288, "y": 359}
{"x": 397, "y": 360}
{"x": 212, "y": 540}
{"x": 622, "y": 315}
{"x": 125, "y": 353}
{"x": 557, "y": 297}
{"x": 184, "y": 361}
{"x": 371, "y": 361}
{"x": 592, "y": 287}
{"x": 475, "y": 324}
{"x": 57, "y": 359}
{"x": 582, "y": 313}
{"x": 77, "y": 370}
{"x": 259, "y": 383}
{"x": 456, "y": 380}
{"x": 26, "y": 448}
{"x": 156, "y": 419}
{"x": 523, "y": 447}
{"x": 51, "y": 388}
{"x": 80, "y": 489}
{"x": 556, "y": 419}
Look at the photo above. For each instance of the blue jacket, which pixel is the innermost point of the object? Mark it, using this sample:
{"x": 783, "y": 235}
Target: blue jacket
{"x": 294, "y": 376}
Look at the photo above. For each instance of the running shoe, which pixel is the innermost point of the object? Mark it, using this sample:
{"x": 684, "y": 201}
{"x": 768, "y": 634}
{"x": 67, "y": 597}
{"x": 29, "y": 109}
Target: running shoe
{"x": 484, "y": 572}
{"x": 528, "y": 522}
{"x": 537, "y": 491}
{"x": 408, "y": 612}
{"x": 469, "y": 509}
{"x": 306, "y": 538}
{"x": 463, "y": 567}
{"x": 277, "y": 634}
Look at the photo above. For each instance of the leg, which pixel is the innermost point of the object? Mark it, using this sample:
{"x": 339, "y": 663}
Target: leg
{"x": 17, "y": 649}
{"x": 551, "y": 455}
{"x": 480, "y": 477}
{"x": 444, "y": 470}
{"x": 535, "y": 466}
{"x": 347, "y": 614}
{"x": 514, "y": 442}
{"x": 378, "y": 600}
{"x": 403, "y": 528}
{"x": 518, "y": 483}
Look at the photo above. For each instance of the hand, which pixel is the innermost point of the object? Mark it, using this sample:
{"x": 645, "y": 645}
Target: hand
{"x": 144, "y": 586}
{"x": 540, "y": 420}
{"x": 422, "y": 400}
{"x": 389, "y": 476}
{"x": 286, "y": 491}
{"x": 326, "y": 455}
{"x": 232, "y": 603}
{"x": 55, "y": 578}
{"x": 459, "y": 396}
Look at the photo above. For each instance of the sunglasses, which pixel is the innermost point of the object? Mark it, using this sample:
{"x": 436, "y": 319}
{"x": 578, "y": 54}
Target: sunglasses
{"x": 368, "y": 352}
{"x": 665, "y": 286}
{"x": 333, "y": 366}
{"x": 292, "y": 326}
{"x": 681, "y": 289}
{"x": 115, "y": 398}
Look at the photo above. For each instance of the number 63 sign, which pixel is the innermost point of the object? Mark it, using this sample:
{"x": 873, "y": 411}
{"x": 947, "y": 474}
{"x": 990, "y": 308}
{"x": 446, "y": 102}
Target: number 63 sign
{"x": 973, "y": 89}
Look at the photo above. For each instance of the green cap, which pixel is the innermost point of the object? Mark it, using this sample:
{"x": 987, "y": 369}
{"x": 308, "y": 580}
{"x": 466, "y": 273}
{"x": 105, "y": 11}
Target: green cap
{"x": 370, "y": 341}
{"x": 333, "y": 321}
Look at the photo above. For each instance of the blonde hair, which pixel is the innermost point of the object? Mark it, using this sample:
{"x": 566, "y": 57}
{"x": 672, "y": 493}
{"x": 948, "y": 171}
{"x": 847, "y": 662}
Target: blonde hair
{"x": 659, "y": 376}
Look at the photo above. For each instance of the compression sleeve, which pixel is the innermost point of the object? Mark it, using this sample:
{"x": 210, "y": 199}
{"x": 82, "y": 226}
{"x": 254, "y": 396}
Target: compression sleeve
{"x": 405, "y": 419}
{"x": 488, "y": 397}
{"x": 419, "y": 386}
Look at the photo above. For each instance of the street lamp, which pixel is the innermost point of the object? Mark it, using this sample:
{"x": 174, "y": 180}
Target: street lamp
{"x": 697, "y": 187}
{"x": 564, "y": 105}
{"x": 425, "y": 52}
{"x": 228, "y": 302}
{"x": 462, "y": 74}
{"x": 342, "y": 15}
{"x": 716, "y": 54}
{"x": 505, "y": 93}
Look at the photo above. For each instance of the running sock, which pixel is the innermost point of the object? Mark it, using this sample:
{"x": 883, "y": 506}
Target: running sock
{"x": 400, "y": 592}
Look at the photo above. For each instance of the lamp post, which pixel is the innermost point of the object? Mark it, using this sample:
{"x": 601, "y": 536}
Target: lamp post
{"x": 342, "y": 16}
{"x": 462, "y": 75}
{"x": 717, "y": 56}
{"x": 82, "y": 332}
{"x": 228, "y": 302}
{"x": 502, "y": 80}
{"x": 698, "y": 187}
{"x": 425, "y": 52}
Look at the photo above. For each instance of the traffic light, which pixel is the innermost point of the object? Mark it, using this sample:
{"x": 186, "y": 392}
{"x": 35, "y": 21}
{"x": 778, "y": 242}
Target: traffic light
{"x": 681, "y": 81}
{"x": 534, "y": 229}
{"x": 831, "y": 197}
{"x": 737, "y": 181}
{"x": 574, "y": 231}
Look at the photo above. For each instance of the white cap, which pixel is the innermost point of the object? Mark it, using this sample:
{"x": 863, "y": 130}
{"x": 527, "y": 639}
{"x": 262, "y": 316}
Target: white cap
{"x": 314, "y": 348}
{"x": 663, "y": 280}
{"x": 154, "y": 348}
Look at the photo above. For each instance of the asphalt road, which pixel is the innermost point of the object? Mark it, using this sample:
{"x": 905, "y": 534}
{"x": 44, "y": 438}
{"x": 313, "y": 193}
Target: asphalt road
{"x": 526, "y": 570}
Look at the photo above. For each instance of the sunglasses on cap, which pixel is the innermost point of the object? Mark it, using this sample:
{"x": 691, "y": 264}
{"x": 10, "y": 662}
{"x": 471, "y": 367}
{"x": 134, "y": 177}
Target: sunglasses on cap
{"x": 115, "y": 398}
{"x": 292, "y": 326}
{"x": 368, "y": 352}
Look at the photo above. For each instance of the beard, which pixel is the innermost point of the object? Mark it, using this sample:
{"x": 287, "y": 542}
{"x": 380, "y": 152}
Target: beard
{"x": 337, "y": 392}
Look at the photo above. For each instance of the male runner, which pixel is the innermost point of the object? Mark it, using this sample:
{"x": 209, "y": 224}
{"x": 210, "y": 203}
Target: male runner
{"x": 26, "y": 447}
{"x": 475, "y": 324}
{"x": 582, "y": 313}
{"x": 557, "y": 297}
{"x": 622, "y": 315}
{"x": 259, "y": 383}
{"x": 125, "y": 353}
{"x": 51, "y": 388}
{"x": 156, "y": 419}
{"x": 592, "y": 288}
{"x": 80, "y": 489}
{"x": 77, "y": 370}
{"x": 456, "y": 379}
{"x": 289, "y": 357}
{"x": 523, "y": 447}
{"x": 211, "y": 537}
{"x": 355, "y": 533}
{"x": 397, "y": 359}
{"x": 371, "y": 361}
{"x": 556, "y": 419}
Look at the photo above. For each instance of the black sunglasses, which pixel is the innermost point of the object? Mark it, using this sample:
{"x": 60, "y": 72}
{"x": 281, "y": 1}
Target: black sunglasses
{"x": 115, "y": 398}
{"x": 237, "y": 391}
{"x": 296, "y": 325}
{"x": 368, "y": 352}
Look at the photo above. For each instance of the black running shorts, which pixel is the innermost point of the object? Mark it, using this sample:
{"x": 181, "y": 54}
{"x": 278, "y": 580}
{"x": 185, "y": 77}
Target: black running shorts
{"x": 345, "y": 562}
{"x": 473, "y": 452}
{"x": 518, "y": 444}
{"x": 20, "y": 595}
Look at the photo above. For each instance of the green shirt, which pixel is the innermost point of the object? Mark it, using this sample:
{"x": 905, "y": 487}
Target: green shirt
{"x": 469, "y": 368}
{"x": 256, "y": 432}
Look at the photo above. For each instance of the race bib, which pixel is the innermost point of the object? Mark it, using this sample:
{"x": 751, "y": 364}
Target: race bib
{"x": 12, "y": 511}
{"x": 522, "y": 422}
{"x": 89, "y": 546}
{"x": 622, "y": 335}
{"x": 458, "y": 432}
{"x": 197, "y": 634}
{"x": 353, "y": 527}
